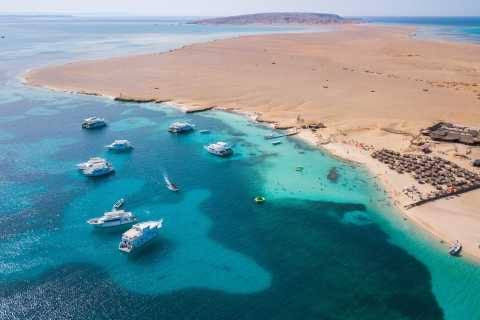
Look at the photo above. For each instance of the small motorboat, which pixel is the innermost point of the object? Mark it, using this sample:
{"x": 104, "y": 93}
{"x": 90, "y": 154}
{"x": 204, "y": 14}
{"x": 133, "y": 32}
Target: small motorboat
{"x": 204, "y": 131}
{"x": 455, "y": 249}
{"x": 276, "y": 143}
{"x": 171, "y": 186}
{"x": 299, "y": 169}
{"x": 259, "y": 199}
{"x": 118, "y": 204}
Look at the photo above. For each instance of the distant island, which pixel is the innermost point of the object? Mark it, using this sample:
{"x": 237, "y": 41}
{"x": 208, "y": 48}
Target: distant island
{"x": 306, "y": 18}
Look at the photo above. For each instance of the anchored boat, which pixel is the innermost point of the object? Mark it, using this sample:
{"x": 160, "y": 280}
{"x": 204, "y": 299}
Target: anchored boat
{"x": 95, "y": 167}
{"x": 139, "y": 235}
{"x": 181, "y": 127}
{"x": 113, "y": 219}
{"x": 93, "y": 123}
{"x": 98, "y": 170}
{"x": 221, "y": 149}
{"x": 90, "y": 163}
{"x": 120, "y": 145}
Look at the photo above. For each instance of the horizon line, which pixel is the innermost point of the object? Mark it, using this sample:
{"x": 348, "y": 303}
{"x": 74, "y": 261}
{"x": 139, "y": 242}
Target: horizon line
{"x": 126, "y": 14}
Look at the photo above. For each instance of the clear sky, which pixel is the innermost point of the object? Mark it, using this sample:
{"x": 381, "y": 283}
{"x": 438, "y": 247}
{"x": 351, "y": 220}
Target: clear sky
{"x": 225, "y": 7}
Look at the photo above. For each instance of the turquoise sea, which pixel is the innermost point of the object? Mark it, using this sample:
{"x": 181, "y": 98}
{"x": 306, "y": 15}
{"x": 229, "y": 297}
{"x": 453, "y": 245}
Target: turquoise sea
{"x": 465, "y": 29}
{"x": 315, "y": 250}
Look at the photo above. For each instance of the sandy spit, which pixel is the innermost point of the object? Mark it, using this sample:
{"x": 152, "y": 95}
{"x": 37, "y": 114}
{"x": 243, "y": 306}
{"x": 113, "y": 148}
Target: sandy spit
{"x": 370, "y": 86}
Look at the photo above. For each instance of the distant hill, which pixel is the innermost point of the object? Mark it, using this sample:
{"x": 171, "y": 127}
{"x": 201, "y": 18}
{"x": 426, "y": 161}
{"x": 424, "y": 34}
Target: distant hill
{"x": 279, "y": 18}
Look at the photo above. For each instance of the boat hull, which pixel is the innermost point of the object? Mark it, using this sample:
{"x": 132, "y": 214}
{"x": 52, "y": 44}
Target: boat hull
{"x": 119, "y": 149}
{"x": 93, "y": 125}
{"x": 169, "y": 184}
{"x": 99, "y": 173}
{"x": 111, "y": 225}
{"x": 137, "y": 244}
{"x": 172, "y": 188}
{"x": 220, "y": 154}
{"x": 455, "y": 252}
{"x": 174, "y": 130}
{"x": 105, "y": 225}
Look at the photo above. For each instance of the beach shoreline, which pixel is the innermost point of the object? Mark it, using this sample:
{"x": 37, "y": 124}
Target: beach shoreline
{"x": 350, "y": 140}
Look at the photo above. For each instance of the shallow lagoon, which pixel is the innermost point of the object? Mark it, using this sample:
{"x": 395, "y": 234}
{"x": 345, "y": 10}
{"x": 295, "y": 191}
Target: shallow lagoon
{"x": 309, "y": 244}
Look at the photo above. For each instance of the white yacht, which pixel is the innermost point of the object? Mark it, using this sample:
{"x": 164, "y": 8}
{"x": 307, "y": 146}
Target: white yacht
{"x": 98, "y": 169}
{"x": 113, "y": 219}
{"x": 91, "y": 162}
{"x": 180, "y": 127}
{"x": 221, "y": 149}
{"x": 138, "y": 235}
{"x": 120, "y": 145}
{"x": 93, "y": 122}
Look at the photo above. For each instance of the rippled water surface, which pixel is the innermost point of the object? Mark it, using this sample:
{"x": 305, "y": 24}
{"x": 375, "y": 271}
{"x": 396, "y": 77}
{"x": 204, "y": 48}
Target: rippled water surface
{"x": 315, "y": 250}
{"x": 466, "y": 29}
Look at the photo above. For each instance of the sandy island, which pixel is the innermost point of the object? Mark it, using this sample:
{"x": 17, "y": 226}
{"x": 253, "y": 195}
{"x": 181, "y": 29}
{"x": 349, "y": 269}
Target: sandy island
{"x": 371, "y": 87}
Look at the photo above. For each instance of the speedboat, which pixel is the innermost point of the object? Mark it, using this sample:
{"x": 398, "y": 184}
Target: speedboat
{"x": 259, "y": 199}
{"x": 120, "y": 145}
{"x": 139, "y": 235}
{"x": 118, "y": 204}
{"x": 98, "y": 169}
{"x": 455, "y": 249}
{"x": 171, "y": 186}
{"x": 180, "y": 127}
{"x": 90, "y": 162}
{"x": 221, "y": 149}
{"x": 93, "y": 123}
{"x": 113, "y": 219}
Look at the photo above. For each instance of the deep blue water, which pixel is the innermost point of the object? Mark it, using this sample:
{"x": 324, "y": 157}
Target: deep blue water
{"x": 447, "y": 28}
{"x": 314, "y": 250}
